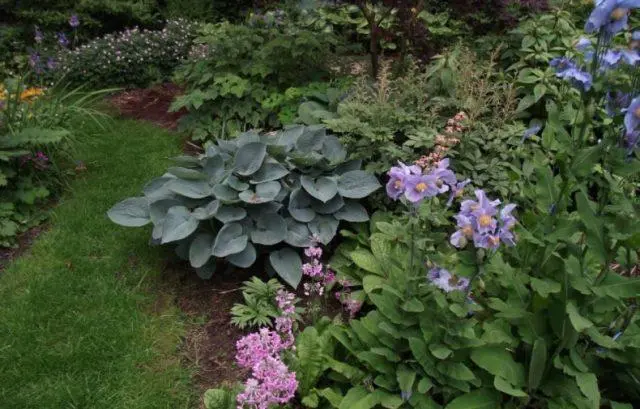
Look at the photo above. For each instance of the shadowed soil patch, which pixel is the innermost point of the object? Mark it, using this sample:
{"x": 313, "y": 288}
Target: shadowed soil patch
{"x": 25, "y": 240}
{"x": 150, "y": 104}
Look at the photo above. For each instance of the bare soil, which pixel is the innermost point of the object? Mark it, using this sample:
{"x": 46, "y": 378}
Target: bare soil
{"x": 150, "y": 104}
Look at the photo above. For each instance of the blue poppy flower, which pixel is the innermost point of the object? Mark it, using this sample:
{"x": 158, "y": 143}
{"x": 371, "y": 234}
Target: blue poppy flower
{"x": 533, "y": 129}
{"x": 632, "y": 116}
{"x": 585, "y": 46}
{"x": 610, "y": 16}
{"x": 580, "y": 79}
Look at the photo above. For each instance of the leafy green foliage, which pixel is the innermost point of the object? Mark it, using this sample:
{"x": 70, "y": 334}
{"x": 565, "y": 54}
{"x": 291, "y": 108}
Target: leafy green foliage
{"x": 129, "y": 58}
{"x": 219, "y": 399}
{"x": 259, "y": 307}
{"x": 232, "y": 84}
{"x": 245, "y": 196}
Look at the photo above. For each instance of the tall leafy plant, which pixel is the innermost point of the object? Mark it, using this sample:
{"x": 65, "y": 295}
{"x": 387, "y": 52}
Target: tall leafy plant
{"x": 259, "y": 193}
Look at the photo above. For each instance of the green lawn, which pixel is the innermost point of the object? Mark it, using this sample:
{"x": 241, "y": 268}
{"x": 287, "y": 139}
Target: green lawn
{"x": 79, "y": 323}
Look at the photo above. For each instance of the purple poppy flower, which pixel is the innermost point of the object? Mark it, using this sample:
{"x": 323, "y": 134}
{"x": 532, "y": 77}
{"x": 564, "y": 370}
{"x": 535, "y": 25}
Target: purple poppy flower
{"x": 396, "y": 185}
{"x": 464, "y": 233}
{"x": 74, "y": 21}
{"x": 445, "y": 178}
{"x": 616, "y": 101}
{"x": 562, "y": 64}
{"x": 585, "y": 46}
{"x": 630, "y": 56}
{"x": 486, "y": 241}
{"x": 446, "y": 281}
{"x": 632, "y": 116}
{"x": 457, "y": 190}
{"x": 506, "y": 218}
{"x": 631, "y": 140}
{"x": 532, "y": 130}
{"x": 38, "y": 36}
{"x": 507, "y": 237}
{"x": 420, "y": 187}
{"x": 51, "y": 63}
{"x": 580, "y": 79}
{"x": 610, "y": 16}
{"x": 62, "y": 39}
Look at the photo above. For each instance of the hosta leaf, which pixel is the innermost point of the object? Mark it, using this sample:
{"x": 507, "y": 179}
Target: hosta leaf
{"x": 178, "y": 224}
{"x": 245, "y": 258}
{"x": 236, "y": 183}
{"x": 323, "y": 188}
{"x": 268, "y": 172}
{"x": 357, "y": 184}
{"x": 228, "y": 214}
{"x": 201, "y": 249}
{"x": 329, "y": 207}
{"x": 207, "y": 212}
{"x": 270, "y": 230}
{"x": 324, "y": 228}
{"x": 333, "y": 150}
{"x": 300, "y": 206}
{"x": 190, "y": 188}
{"x": 288, "y": 265}
{"x": 298, "y": 234}
{"x": 225, "y": 194}
{"x": 352, "y": 211}
{"x": 187, "y": 174}
{"x": 157, "y": 189}
{"x": 230, "y": 240}
{"x": 206, "y": 272}
{"x": 132, "y": 212}
{"x": 311, "y": 139}
{"x": 249, "y": 158}
{"x": 264, "y": 192}
{"x": 214, "y": 168}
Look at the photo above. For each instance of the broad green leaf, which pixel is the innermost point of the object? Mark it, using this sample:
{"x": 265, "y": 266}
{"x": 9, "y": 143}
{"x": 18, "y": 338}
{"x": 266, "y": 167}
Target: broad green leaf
{"x": 249, "y": 158}
{"x": 500, "y": 363}
{"x": 269, "y": 172}
{"x": 424, "y": 385}
{"x": 132, "y": 212}
{"x": 324, "y": 228}
{"x": 588, "y": 384}
{"x": 193, "y": 189}
{"x": 352, "y": 397}
{"x": 231, "y": 239}
{"x": 300, "y": 206}
{"x": 440, "y": 351}
{"x": 187, "y": 174}
{"x": 413, "y": 305}
{"x": 228, "y": 214}
{"x": 178, "y": 224}
{"x": 217, "y": 399}
{"x": 593, "y": 224}
{"x": 478, "y": 399}
{"x": 545, "y": 287}
{"x": 288, "y": 265}
{"x": 617, "y": 405}
{"x": 537, "y": 364}
{"x": 207, "y": 212}
{"x": 585, "y": 160}
{"x": 298, "y": 234}
{"x": 330, "y": 207}
{"x": 505, "y": 387}
{"x": 579, "y": 322}
{"x": 366, "y": 261}
{"x": 616, "y": 286}
{"x": 264, "y": 193}
{"x": 357, "y": 184}
{"x": 406, "y": 378}
{"x": 456, "y": 370}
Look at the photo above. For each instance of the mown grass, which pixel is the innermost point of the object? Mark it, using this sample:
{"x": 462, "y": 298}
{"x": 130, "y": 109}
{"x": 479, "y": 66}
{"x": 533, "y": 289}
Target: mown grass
{"x": 80, "y": 325}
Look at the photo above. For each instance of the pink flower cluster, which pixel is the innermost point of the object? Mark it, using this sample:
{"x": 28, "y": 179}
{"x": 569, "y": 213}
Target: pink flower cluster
{"x": 271, "y": 382}
{"x": 350, "y": 304}
{"x": 39, "y": 161}
{"x": 320, "y": 274}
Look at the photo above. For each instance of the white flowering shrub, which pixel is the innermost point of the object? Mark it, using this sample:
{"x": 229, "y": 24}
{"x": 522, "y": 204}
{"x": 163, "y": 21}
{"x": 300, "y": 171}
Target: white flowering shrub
{"x": 132, "y": 57}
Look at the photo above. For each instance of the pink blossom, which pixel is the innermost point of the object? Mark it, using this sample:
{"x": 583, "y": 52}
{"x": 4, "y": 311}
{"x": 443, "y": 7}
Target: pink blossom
{"x": 313, "y": 269}
{"x": 256, "y": 346}
{"x": 313, "y": 252}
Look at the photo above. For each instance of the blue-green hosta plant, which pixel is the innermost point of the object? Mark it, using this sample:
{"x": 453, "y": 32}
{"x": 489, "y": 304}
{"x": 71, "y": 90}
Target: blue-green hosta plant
{"x": 256, "y": 193}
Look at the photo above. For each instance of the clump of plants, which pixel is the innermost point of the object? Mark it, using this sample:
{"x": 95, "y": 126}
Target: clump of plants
{"x": 234, "y": 80}
{"x": 133, "y": 57}
{"x": 257, "y": 194}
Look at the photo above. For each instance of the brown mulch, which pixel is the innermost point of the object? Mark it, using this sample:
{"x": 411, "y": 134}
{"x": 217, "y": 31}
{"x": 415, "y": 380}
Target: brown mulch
{"x": 24, "y": 242}
{"x": 149, "y": 104}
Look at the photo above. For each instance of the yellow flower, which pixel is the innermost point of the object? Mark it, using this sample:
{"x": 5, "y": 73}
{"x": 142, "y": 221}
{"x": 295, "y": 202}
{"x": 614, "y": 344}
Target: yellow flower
{"x": 30, "y": 93}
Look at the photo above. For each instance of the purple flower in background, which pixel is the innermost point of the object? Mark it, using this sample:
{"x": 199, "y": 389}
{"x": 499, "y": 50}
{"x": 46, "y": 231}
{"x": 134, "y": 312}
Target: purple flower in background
{"x": 562, "y": 64}
{"x": 397, "y": 179}
{"x": 420, "y": 187}
{"x": 34, "y": 59}
{"x": 585, "y": 46}
{"x": 464, "y": 233}
{"x": 612, "y": 58}
{"x": 38, "y": 36}
{"x": 446, "y": 281}
{"x": 616, "y": 101}
{"x": 632, "y": 116}
{"x": 506, "y": 218}
{"x": 51, "y": 63}
{"x": 444, "y": 176}
{"x": 62, "y": 39}
{"x": 532, "y": 130}
{"x": 580, "y": 79}
{"x": 457, "y": 190}
{"x": 631, "y": 140}
{"x": 74, "y": 22}
{"x": 610, "y": 16}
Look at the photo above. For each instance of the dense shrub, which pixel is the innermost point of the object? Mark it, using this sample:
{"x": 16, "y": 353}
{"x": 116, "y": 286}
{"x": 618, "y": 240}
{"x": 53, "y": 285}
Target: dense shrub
{"x": 240, "y": 68}
{"x": 129, "y": 58}
{"x": 35, "y": 139}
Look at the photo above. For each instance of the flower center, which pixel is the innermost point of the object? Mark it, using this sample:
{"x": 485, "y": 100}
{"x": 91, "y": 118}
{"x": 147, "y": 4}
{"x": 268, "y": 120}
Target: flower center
{"x": 484, "y": 220}
{"x": 618, "y": 13}
{"x": 637, "y": 112}
{"x": 421, "y": 187}
{"x": 398, "y": 184}
{"x": 467, "y": 231}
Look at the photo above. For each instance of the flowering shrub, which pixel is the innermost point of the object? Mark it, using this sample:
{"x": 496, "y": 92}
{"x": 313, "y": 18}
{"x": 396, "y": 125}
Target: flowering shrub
{"x": 132, "y": 57}
{"x": 541, "y": 311}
